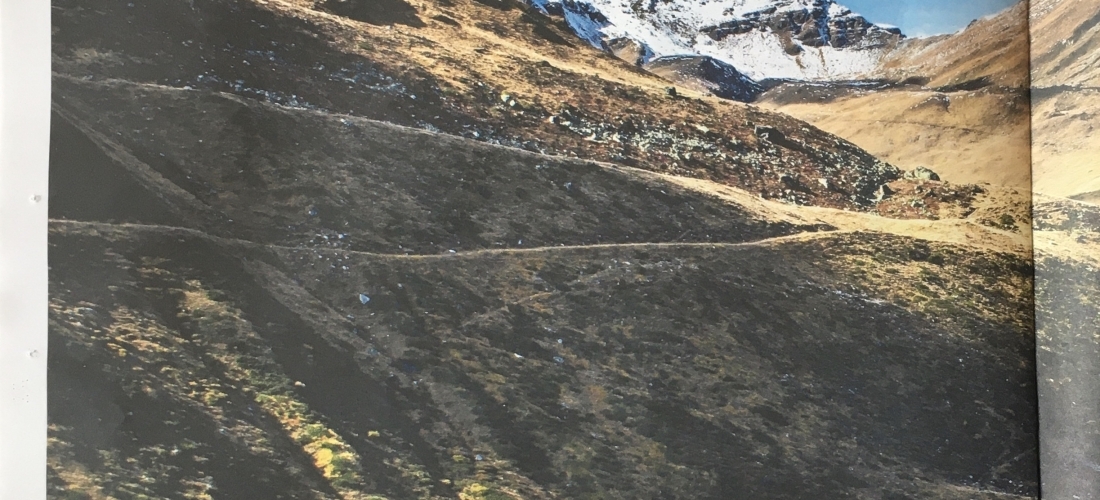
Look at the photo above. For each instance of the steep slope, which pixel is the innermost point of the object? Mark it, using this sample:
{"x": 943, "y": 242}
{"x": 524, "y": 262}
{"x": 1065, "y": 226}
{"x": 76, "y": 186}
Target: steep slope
{"x": 990, "y": 51}
{"x": 269, "y": 174}
{"x": 962, "y": 108}
{"x": 1067, "y": 256}
{"x": 1065, "y": 34}
{"x": 375, "y": 250}
{"x": 1064, "y": 44}
{"x": 628, "y": 372}
{"x": 705, "y": 74}
{"x": 495, "y": 71}
{"x": 210, "y": 366}
{"x": 798, "y": 39}
{"x": 1067, "y": 89}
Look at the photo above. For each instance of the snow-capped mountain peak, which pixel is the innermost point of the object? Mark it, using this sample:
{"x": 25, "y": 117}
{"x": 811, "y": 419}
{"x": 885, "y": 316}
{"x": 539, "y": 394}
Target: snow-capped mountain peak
{"x": 793, "y": 39}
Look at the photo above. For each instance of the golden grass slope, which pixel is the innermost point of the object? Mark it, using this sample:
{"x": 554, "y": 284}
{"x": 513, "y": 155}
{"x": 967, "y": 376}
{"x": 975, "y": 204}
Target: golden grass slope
{"x": 993, "y": 48}
{"x": 1065, "y": 43}
{"x": 969, "y": 118}
{"x": 966, "y": 137}
{"x": 1066, "y": 146}
{"x": 1066, "y": 73}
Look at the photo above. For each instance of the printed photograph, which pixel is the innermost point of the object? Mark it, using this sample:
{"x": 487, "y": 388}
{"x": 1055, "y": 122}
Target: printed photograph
{"x": 1065, "y": 96}
{"x": 569, "y": 249}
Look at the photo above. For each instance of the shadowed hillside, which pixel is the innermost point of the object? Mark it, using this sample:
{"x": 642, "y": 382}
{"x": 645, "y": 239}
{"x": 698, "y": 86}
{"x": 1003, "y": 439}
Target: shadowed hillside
{"x": 1067, "y": 246}
{"x": 492, "y": 73}
{"x": 317, "y": 369}
{"x": 1068, "y": 349}
{"x": 398, "y": 250}
{"x": 1065, "y": 34}
{"x": 270, "y": 174}
{"x": 680, "y": 371}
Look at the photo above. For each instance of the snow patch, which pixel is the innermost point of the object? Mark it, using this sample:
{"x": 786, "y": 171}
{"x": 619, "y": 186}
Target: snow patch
{"x": 669, "y": 28}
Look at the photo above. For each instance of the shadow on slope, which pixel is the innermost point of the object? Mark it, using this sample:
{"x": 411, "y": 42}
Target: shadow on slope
{"x": 298, "y": 177}
{"x": 1067, "y": 362}
{"x": 452, "y": 75}
{"x": 706, "y": 74}
{"x": 764, "y": 371}
{"x": 85, "y": 183}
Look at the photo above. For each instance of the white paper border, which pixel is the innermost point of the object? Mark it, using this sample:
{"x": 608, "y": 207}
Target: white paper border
{"x": 24, "y": 165}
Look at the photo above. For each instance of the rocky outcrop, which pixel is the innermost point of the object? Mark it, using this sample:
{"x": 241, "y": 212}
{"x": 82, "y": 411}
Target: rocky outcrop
{"x": 706, "y": 74}
{"x": 629, "y": 50}
{"x": 922, "y": 173}
{"x": 822, "y": 23}
{"x": 771, "y": 42}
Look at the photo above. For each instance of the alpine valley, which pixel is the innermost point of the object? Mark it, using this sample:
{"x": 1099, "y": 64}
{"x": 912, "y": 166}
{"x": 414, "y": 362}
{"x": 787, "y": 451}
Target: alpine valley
{"x": 492, "y": 249}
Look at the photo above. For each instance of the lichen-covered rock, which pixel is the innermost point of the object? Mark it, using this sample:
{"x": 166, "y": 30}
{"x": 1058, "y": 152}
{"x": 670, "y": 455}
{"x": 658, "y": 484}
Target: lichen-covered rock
{"x": 923, "y": 173}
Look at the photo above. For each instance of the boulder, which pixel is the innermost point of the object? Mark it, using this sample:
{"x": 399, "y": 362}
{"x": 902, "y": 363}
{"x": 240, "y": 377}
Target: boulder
{"x": 629, "y": 50}
{"x": 883, "y": 192}
{"x": 922, "y": 173}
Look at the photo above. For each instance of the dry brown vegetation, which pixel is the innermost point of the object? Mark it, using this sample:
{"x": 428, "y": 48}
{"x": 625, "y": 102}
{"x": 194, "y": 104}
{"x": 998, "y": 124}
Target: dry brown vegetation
{"x": 771, "y": 352}
{"x": 962, "y": 107}
{"x": 1067, "y": 246}
{"x": 967, "y": 137}
{"x": 1065, "y": 34}
{"x": 990, "y": 51}
{"x": 441, "y": 249}
{"x": 499, "y": 73}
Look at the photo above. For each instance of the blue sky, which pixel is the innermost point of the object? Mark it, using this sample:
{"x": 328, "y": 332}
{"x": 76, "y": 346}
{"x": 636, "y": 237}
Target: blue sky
{"x": 926, "y": 17}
